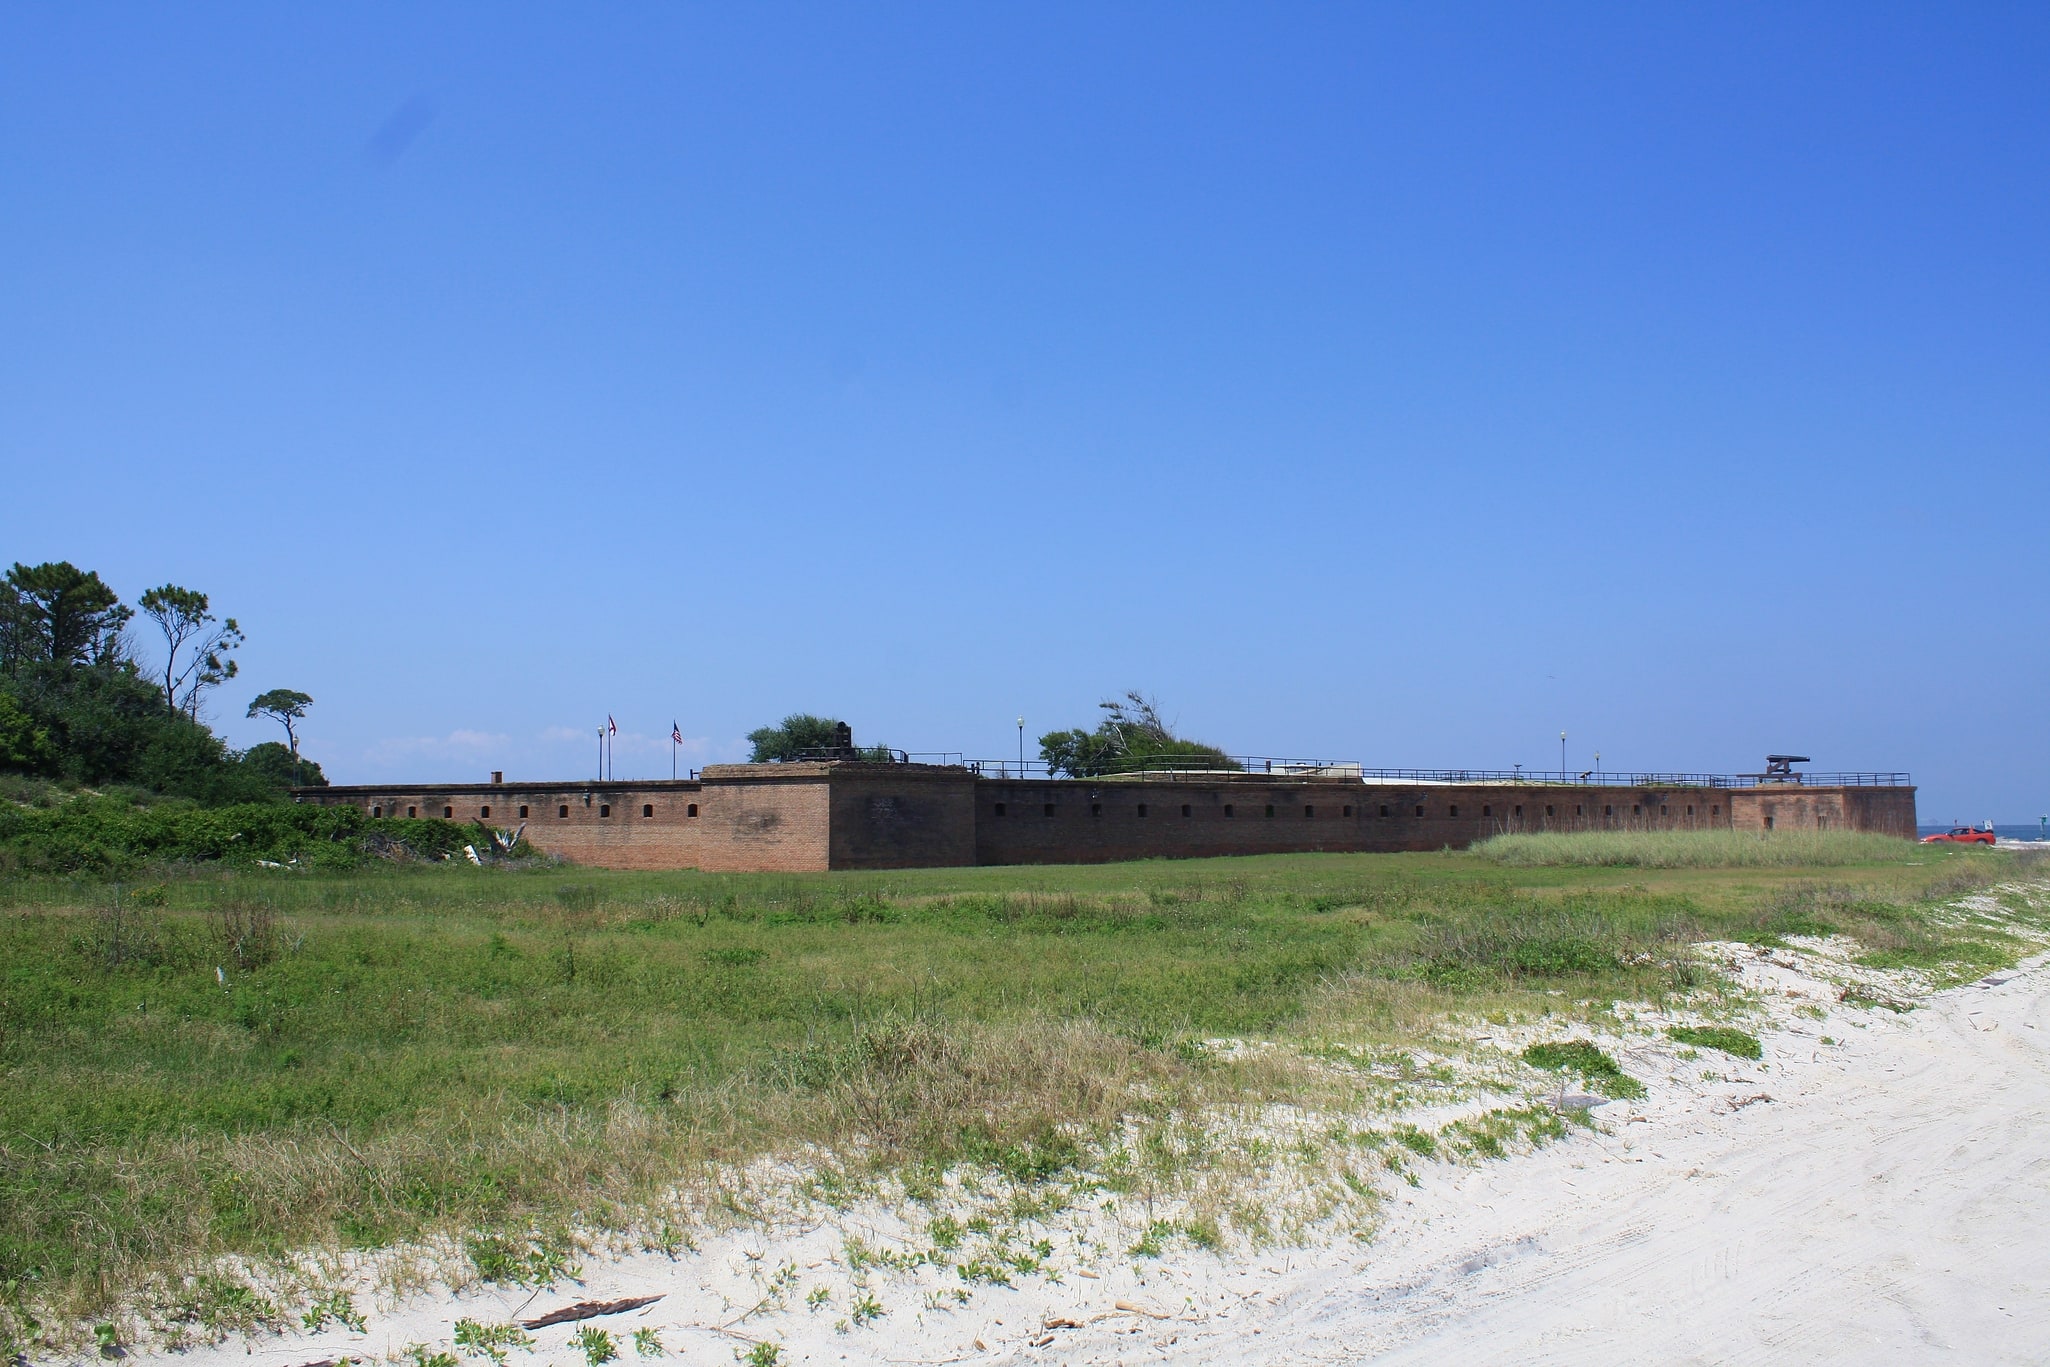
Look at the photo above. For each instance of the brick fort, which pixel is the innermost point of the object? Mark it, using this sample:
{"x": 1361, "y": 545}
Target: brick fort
{"x": 843, "y": 812}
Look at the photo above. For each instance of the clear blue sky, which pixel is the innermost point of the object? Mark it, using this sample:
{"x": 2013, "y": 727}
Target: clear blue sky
{"x": 1400, "y": 383}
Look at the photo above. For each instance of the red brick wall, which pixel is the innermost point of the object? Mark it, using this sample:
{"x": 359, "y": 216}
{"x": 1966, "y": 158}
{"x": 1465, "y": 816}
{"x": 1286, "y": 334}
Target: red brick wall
{"x": 766, "y": 818}
{"x": 1888, "y": 811}
{"x": 1093, "y": 822}
{"x": 900, "y": 816}
{"x": 812, "y": 817}
{"x": 753, "y": 824}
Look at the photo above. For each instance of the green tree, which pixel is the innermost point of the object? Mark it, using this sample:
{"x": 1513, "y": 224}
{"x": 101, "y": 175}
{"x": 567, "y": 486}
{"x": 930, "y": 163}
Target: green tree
{"x": 74, "y": 704}
{"x": 99, "y": 718}
{"x": 17, "y": 630}
{"x": 64, "y": 615}
{"x": 279, "y": 767}
{"x": 185, "y": 759}
{"x": 25, "y": 745}
{"x": 799, "y": 732}
{"x": 1130, "y": 738}
{"x": 285, "y": 706}
{"x": 193, "y": 636}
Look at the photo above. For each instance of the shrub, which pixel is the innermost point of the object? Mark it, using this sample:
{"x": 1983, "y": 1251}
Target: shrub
{"x": 1589, "y": 1060}
{"x": 107, "y": 835}
{"x": 1719, "y": 1037}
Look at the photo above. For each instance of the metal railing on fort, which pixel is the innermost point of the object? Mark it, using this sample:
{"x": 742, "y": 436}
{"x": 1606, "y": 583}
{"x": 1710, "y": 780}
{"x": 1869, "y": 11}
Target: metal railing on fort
{"x": 1196, "y": 769}
{"x": 1202, "y": 768}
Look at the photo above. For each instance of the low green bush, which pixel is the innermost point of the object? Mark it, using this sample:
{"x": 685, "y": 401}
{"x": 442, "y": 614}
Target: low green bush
{"x": 1593, "y": 1063}
{"x": 1719, "y": 1037}
{"x": 107, "y": 835}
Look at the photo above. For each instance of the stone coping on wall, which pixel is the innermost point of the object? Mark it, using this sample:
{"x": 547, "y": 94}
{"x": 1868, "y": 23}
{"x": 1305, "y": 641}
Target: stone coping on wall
{"x": 585, "y": 785}
{"x": 829, "y": 768}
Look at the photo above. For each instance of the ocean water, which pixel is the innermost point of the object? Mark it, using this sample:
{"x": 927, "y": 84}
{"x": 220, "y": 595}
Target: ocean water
{"x": 2002, "y": 832}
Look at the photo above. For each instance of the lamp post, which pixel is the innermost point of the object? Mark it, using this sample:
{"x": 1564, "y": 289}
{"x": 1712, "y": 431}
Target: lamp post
{"x": 1021, "y": 747}
{"x": 1562, "y": 754}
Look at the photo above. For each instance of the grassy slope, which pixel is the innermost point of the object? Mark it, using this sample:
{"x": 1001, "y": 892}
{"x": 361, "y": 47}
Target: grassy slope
{"x": 264, "y": 1061}
{"x": 1699, "y": 849}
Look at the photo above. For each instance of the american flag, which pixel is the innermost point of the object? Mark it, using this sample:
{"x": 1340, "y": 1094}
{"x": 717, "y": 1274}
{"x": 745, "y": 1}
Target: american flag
{"x": 611, "y": 726}
{"x": 675, "y": 733}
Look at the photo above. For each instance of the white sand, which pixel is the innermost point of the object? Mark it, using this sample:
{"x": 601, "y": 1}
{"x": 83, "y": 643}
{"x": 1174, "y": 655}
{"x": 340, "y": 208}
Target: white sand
{"x": 1889, "y": 1202}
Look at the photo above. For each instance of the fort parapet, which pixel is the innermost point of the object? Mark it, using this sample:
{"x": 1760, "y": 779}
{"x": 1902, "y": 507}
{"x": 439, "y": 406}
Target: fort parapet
{"x": 804, "y": 817}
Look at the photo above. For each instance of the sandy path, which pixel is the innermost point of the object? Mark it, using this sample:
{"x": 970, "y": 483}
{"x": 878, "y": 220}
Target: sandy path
{"x": 1891, "y": 1202}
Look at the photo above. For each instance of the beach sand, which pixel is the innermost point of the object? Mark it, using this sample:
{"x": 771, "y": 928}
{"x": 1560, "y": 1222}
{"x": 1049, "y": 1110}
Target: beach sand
{"x": 1876, "y": 1188}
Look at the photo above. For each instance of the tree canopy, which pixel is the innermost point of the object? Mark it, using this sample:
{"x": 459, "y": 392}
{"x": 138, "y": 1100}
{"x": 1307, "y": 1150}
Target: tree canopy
{"x": 76, "y": 704}
{"x": 1130, "y": 738}
{"x": 181, "y": 614}
{"x": 286, "y": 706}
{"x": 57, "y": 613}
{"x": 282, "y": 767}
{"x": 799, "y": 732}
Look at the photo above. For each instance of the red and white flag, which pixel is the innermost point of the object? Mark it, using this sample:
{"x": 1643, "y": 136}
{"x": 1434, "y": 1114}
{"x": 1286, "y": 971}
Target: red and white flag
{"x": 611, "y": 726}
{"x": 675, "y": 733}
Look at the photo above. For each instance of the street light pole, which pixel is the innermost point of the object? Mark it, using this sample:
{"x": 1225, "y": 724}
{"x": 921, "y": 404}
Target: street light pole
{"x": 1021, "y": 747}
{"x": 1562, "y": 754}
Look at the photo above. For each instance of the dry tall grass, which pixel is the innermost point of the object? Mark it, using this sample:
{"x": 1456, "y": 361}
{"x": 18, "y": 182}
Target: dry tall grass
{"x": 1696, "y": 849}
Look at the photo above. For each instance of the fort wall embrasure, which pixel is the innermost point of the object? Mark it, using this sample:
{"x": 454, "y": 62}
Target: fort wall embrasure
{"x": 848, "y": 815}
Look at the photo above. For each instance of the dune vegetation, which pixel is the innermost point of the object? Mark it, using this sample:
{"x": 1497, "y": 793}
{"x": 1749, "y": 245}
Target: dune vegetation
{"x": 203, "y": 1060}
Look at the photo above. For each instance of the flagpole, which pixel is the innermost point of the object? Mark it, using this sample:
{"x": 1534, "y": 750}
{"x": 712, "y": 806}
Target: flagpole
{"x": 601, "y": 754}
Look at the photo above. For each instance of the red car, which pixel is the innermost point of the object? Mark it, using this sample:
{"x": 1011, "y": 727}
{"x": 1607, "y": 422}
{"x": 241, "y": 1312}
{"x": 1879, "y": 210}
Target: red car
{"x": 1959, "y": 835}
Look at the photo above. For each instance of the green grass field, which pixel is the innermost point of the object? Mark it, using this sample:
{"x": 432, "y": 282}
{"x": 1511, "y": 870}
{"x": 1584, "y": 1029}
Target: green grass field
{"x": 255, "y": 1062}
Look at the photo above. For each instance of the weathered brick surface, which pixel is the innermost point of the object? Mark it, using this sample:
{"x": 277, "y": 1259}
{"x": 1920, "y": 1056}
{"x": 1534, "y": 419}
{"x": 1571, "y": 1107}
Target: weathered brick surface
{"x": 1888, "y": 811}
{"x": 811, "y": 817}
{"x": 902, "y": 816}
{"x": 767, "y": 818}
{"x": 1260, "y": 815}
